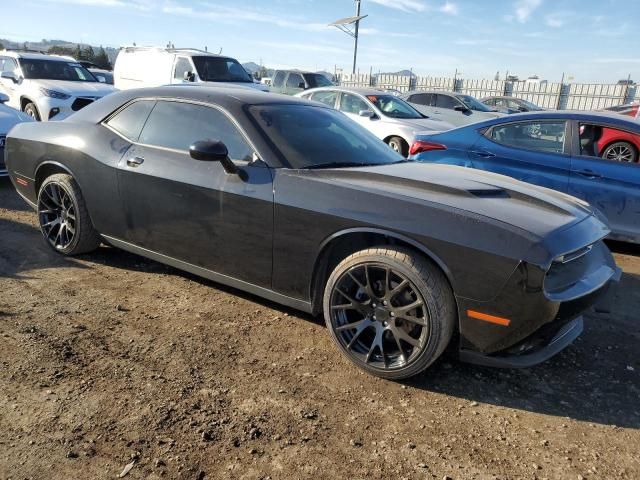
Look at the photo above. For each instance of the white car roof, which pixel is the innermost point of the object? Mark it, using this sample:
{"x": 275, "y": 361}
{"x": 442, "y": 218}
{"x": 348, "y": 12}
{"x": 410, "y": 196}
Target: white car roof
{"x": 36, "y": 55}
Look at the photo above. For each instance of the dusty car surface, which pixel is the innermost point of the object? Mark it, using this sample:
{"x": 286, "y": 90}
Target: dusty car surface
{"x": 292, "y": 201}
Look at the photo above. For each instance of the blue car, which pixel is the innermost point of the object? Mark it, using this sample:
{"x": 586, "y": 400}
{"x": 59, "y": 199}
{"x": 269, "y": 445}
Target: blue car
{"x": 592, "y": 156}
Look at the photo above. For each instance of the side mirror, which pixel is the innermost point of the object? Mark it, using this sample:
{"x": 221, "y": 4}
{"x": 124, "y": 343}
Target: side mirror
{"x": 101, "y": 79}
{"x": 213, "y": 151}
{"x": 366, "y": 113}
{"x": 4, "y": 97}
{"x": 10, "y": 75}
{"x": 189, "y": 76}
{"x": 461, "y": 108}
{"x": 301, "y": 85}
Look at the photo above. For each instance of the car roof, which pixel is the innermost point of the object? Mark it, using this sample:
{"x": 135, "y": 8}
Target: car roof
{"x": 36, "y": 55}
{"x": 443, "y": 92}
{"x": 359, "y": 90}
{"x": 293, "y": 70}
{"x": 612, "y": 119}
{"x": 227, "y": 97}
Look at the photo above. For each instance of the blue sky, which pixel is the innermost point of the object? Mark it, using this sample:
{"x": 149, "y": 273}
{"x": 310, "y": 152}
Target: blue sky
{"x": 589, "y": 40}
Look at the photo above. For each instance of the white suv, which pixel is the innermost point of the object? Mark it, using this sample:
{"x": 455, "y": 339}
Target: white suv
{"x": 47, "y": 87}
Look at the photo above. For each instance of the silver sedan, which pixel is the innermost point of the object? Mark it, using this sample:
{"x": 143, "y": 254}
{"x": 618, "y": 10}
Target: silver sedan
{"x": 388, "y": 117}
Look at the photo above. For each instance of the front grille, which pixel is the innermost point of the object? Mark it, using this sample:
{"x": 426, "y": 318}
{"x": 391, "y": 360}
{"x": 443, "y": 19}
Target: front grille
{"x": 80, "y": 103}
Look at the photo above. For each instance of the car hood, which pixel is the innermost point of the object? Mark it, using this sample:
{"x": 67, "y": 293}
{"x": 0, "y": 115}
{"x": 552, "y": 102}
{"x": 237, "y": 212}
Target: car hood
{"x": 535, "y": 210}
{"x": 424, "y": 124}
{"x": 77, "y": 89}
{"x": 9, "y": 117}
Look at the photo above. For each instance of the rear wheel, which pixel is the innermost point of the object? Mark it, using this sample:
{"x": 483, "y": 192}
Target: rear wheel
{"x": 63, "y": 216}
{"x": 621, "y": 152}
{"x": 398, "y": 144}
{"x": 390, "y": 311}
{"x": 31, "y": 110}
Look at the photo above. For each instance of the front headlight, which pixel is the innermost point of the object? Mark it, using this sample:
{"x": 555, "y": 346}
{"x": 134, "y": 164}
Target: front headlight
{"x": 53, "y": 94}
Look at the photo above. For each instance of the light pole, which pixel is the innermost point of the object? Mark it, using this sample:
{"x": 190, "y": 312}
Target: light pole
{"x": 344, "y": 25}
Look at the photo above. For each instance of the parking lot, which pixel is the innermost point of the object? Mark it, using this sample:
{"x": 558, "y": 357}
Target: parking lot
{"x": 111, "y": 360}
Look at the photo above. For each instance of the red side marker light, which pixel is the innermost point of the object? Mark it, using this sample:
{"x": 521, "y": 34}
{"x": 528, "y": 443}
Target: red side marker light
{"x": 22, "y": 182}
{"x": 420, "y": 146}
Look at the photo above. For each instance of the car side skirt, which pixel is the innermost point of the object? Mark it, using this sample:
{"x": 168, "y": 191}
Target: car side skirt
{"x": 211, "y": 275}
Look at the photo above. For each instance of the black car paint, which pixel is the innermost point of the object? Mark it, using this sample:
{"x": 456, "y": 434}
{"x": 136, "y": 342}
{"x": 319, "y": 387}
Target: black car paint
{"x": 269, "y": 230}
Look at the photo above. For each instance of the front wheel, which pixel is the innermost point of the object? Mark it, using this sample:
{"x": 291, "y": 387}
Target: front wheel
{"x": 621, "y": 152}
{"x": 398, "y": 144}
{"x": 63, "y": 216}
{"x": 31, "y": 110}
{"x": 390, "y": 311}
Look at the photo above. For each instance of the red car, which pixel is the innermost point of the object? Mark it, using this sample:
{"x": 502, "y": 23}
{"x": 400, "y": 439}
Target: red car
{"x": 612, "y": 144}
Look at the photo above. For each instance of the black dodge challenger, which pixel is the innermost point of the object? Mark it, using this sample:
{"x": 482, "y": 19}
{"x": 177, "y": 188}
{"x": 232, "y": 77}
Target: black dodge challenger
{"x": 292, "y": 201}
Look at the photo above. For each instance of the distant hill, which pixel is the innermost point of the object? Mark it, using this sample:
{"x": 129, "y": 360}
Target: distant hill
{"x": 44, "y": 45}
{"x": 401, "y": 73}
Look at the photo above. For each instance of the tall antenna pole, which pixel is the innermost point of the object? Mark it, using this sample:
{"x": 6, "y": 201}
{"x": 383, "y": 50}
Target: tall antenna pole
{"x": 355, "y": 48}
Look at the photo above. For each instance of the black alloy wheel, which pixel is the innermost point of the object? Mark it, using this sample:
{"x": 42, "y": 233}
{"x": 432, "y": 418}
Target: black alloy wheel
{"x": 390, "y": 312}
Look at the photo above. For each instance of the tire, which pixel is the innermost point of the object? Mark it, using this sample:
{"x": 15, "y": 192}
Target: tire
{"x": 31, "y": 110}
{"x": 63, "y": 217}
{"x": 369, "y": 322}
{"x": 398, "y": 144}
{"x": 621, "y": 152}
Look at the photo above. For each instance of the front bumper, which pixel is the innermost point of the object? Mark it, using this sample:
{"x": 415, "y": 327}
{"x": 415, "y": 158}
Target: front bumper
{"x": 552, "y": 337}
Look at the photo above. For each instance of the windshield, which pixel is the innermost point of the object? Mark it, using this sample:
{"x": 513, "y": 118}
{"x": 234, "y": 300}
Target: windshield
{"x": 473, "y": 103}
{"x": 394, "y": 107}
{"x": 220, "y": 69}
{"x": 529, "y": 105}
{"x": 307, "y": 136}
{"x": 317, "y": 80}
{"x": 55, "y": 70}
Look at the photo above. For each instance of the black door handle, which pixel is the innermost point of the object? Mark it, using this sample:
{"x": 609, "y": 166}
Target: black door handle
{"x": 483, "y": 153}
{"x": 135, "y": 161}
{"x": 589, "y": 174}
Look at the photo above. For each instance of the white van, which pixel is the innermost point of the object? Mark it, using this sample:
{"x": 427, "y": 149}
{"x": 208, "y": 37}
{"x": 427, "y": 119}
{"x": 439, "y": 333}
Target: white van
{"x": 138, "y": 67}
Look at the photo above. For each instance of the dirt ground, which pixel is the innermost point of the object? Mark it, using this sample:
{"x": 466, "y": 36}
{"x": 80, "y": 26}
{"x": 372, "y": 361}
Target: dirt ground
{"x": 111, "y": 360}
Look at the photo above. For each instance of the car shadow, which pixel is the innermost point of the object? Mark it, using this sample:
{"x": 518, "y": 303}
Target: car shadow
{"x": 12, "y": 199}
{"x": 596, "y": 379}
{"x": 624, "y": 248}
{"x": 589, "y": 381}
{"x": 14, "y": 260}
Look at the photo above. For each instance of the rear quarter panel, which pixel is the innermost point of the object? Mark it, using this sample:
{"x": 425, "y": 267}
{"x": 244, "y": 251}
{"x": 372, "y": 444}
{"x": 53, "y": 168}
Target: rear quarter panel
{"x": 87, "y": 151}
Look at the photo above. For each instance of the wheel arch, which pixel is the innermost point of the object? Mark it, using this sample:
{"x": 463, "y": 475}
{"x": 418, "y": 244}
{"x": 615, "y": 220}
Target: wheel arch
{"x": 341, "y": 244}
{"x": 48, "y": 168}
{"x": 24, "y": 100}
{"x": 389, "y": 137}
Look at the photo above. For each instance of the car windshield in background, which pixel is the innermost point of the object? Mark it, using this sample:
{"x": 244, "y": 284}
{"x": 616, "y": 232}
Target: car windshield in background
{"x": 474, "y": 104}
{"x": 530, "y": 106}
{"x": 220, "y": 69}
{"x": 316, "y": 137}
{"x": 394, "y": 107}
{"x": 317, "y": 80}
{"x": 55, "y": 70}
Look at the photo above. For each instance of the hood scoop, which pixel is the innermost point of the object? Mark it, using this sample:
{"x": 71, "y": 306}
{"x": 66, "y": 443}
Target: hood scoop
{"x": 489, "y": 193}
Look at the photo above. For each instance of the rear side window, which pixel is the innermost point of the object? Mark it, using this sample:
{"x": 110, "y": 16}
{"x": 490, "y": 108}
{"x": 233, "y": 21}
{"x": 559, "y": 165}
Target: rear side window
{"x": 425, "y": 99}
{"x": 328, "y": 98}
{"x": 278, "y": 79}
{"x": 545, "y": 137}
{"x": 178, "y": 125}
{"x": 129, "y": 121}
{"x": 183, "y": 66}
{"x": 295, "y": 81}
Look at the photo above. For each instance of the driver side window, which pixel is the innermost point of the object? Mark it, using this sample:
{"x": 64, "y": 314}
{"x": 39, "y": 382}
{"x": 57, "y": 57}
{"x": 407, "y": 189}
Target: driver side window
{"x": 352, "y": 104}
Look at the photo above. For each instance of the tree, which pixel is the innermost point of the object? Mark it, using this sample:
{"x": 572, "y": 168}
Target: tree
{"x": 60, "y": 50}
{"x": 1, "y": 46}
{"x": 77, "y": 54}
{"x": 88, "y": 54}
{"x": 102, "y": 59}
